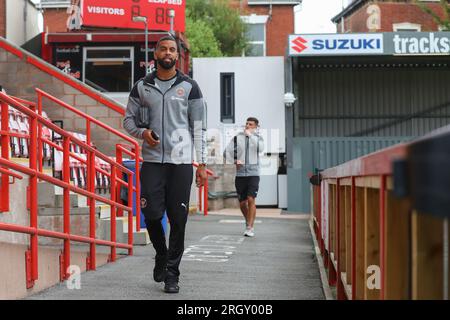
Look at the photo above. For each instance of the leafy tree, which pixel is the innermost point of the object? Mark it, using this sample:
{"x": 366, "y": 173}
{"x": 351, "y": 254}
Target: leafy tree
{"x": 201, "y": 39}
{"x": 224, "y": 21}
{"x": 444, "y": 22}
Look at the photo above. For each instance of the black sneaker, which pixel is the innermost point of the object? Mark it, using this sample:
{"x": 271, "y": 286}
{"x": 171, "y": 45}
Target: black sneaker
{"x": 171, "y": 285}
{"x": 160, "y": 270}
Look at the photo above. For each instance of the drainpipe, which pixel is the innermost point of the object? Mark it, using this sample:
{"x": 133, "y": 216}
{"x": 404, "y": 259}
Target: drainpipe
{"x": 270, "y": 10}
{"x": 289, "y": 112}
{"x": 25, "y": 18}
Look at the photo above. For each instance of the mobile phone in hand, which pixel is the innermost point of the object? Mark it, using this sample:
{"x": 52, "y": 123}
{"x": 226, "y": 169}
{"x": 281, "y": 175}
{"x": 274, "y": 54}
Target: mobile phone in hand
{"x": 155, "y": 135}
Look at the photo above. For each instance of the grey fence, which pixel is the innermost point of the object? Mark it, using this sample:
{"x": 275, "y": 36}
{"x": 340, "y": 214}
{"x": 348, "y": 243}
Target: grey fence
{"x": 310, "y": 154}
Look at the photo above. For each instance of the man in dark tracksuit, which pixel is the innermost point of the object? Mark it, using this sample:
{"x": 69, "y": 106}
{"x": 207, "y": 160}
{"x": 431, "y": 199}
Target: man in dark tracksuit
{"x": 244, "y": 151}
{"x": 169, "y": 104}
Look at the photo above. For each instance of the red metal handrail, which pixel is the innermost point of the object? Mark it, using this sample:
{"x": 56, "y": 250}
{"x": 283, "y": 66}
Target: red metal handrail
{"x": 203, "y": 192}
{"x": 91, "y": 120}
{"x": 12, "y": 174}
{"x": 35, "y": 173}
{"x": 4, "y": 140}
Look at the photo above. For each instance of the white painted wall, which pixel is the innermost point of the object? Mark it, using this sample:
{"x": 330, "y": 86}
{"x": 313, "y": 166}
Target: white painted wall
{"x": 259, "y": 91}
{"x": 18, "y": 30}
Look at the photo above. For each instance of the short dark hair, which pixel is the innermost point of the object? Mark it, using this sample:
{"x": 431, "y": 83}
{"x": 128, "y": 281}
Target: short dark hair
{"x": 254, "y": 120}
{"x": 167, "y": 38}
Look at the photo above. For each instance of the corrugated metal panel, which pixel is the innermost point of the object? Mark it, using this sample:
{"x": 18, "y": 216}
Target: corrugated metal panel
{"x": 323, "y": 153}
{"x": 327, "y": 153}
{"x": 346, "y": 101}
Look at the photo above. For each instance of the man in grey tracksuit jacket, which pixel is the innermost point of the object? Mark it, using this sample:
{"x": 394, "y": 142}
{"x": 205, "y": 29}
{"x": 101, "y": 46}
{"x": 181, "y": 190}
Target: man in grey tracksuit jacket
{"x": 244, "y": 151}
{"x": 178, "y": 117}
{"x": 169, "y": 104}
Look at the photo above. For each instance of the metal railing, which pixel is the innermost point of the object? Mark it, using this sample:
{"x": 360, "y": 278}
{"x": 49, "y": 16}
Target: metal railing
{"x": 381, "y": 221}
{"x": 203, "y": 192}
{"x": 34, "y": 171}
{"x": 89, "y": 121}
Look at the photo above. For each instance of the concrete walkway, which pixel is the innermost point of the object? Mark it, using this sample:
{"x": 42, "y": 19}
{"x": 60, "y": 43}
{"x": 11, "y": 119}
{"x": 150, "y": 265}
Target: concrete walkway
{"x": 218, "y": 263}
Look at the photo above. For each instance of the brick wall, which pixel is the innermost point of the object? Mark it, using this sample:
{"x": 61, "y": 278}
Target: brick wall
{"x": 55, "y": 20}
{"x": 278, "y": 27}
{"x": 393, "y": 13}
{"x": 20, "y": 78}
{"x": 3, "y": 18}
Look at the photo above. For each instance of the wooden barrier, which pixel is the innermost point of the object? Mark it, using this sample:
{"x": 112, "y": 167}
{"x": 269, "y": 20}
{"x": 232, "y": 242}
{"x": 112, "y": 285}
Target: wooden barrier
{"x": 375, "y": 244}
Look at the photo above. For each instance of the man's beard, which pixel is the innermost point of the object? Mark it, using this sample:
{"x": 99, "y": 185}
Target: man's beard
{"x": 166, "y": 65}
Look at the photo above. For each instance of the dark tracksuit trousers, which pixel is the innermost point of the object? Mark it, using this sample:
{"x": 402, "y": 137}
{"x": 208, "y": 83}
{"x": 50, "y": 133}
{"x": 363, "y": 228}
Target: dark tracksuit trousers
{"x": 166, "y": 187}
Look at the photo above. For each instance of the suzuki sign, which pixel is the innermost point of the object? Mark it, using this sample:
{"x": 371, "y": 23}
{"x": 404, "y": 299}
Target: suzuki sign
{"x": 119, "y": 14}
{"x": 338, "y": 44}
{"x": 395, "y": 43}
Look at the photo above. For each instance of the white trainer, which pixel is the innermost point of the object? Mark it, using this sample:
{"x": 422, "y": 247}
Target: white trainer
{"x": 249, "y": 232}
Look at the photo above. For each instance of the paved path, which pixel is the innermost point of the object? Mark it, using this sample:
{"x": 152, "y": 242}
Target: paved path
{"x": 219, "y": 263}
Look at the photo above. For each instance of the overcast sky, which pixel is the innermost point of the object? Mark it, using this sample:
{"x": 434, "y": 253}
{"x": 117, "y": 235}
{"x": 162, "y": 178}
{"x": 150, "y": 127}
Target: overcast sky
{"x": 314, "y": 16}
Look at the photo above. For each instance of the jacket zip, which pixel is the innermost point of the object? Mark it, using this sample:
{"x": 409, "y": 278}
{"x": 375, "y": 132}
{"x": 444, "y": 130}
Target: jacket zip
{"x": 246, "y": 154}
{"x": 162, "y": 124}
{"x": 162, "y": 128}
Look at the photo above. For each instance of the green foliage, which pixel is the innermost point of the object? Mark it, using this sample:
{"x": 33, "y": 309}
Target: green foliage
{"x": 443, "y": 22}
{"x": 224, "y": 22}
{"x": 201, "y": 39}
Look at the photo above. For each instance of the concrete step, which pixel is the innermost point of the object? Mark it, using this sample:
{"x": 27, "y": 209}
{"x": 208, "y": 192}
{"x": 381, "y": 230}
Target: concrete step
{"x": 79, "y": 225}
{"x": 74, "y": 211}
{"x": 140, "y": 238}
{"x": 12, "y": 271}
{"x": 48, "y": 197}
{"x": 104, "y": 230}
{"x": 52, "y": 196}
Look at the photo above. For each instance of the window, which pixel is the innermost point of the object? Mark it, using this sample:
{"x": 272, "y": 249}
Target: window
{"x": 227, "y": 97}
{"x": 109, "y": 69}
{"x": 406, "y": 26}
{"x": 255, "y": 35}
{"x": 256, "y": 40}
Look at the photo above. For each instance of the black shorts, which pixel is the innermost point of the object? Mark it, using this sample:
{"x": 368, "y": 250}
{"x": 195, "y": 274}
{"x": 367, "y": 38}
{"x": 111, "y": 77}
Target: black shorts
{"x": 246, "y": 187}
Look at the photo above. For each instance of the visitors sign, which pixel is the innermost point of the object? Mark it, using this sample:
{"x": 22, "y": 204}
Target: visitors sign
{"x": 119, "y": 14}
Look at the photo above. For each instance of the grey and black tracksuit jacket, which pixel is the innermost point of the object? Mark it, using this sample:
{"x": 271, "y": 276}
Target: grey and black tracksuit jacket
{"x": 178, "y": 116}
{"x": 248, "y": 150}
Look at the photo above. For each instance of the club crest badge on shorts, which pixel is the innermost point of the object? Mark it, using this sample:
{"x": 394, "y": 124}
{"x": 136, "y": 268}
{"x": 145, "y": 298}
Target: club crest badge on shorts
{"x": 143, "y": 203}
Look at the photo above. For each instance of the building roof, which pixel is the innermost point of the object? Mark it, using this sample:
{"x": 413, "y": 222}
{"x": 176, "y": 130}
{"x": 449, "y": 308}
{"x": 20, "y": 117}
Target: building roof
{"x": 274, "y": 2}
{"x": 66, "y": 3}
{"x": 55, "y": 3}
{"x": 355, "y": 4}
